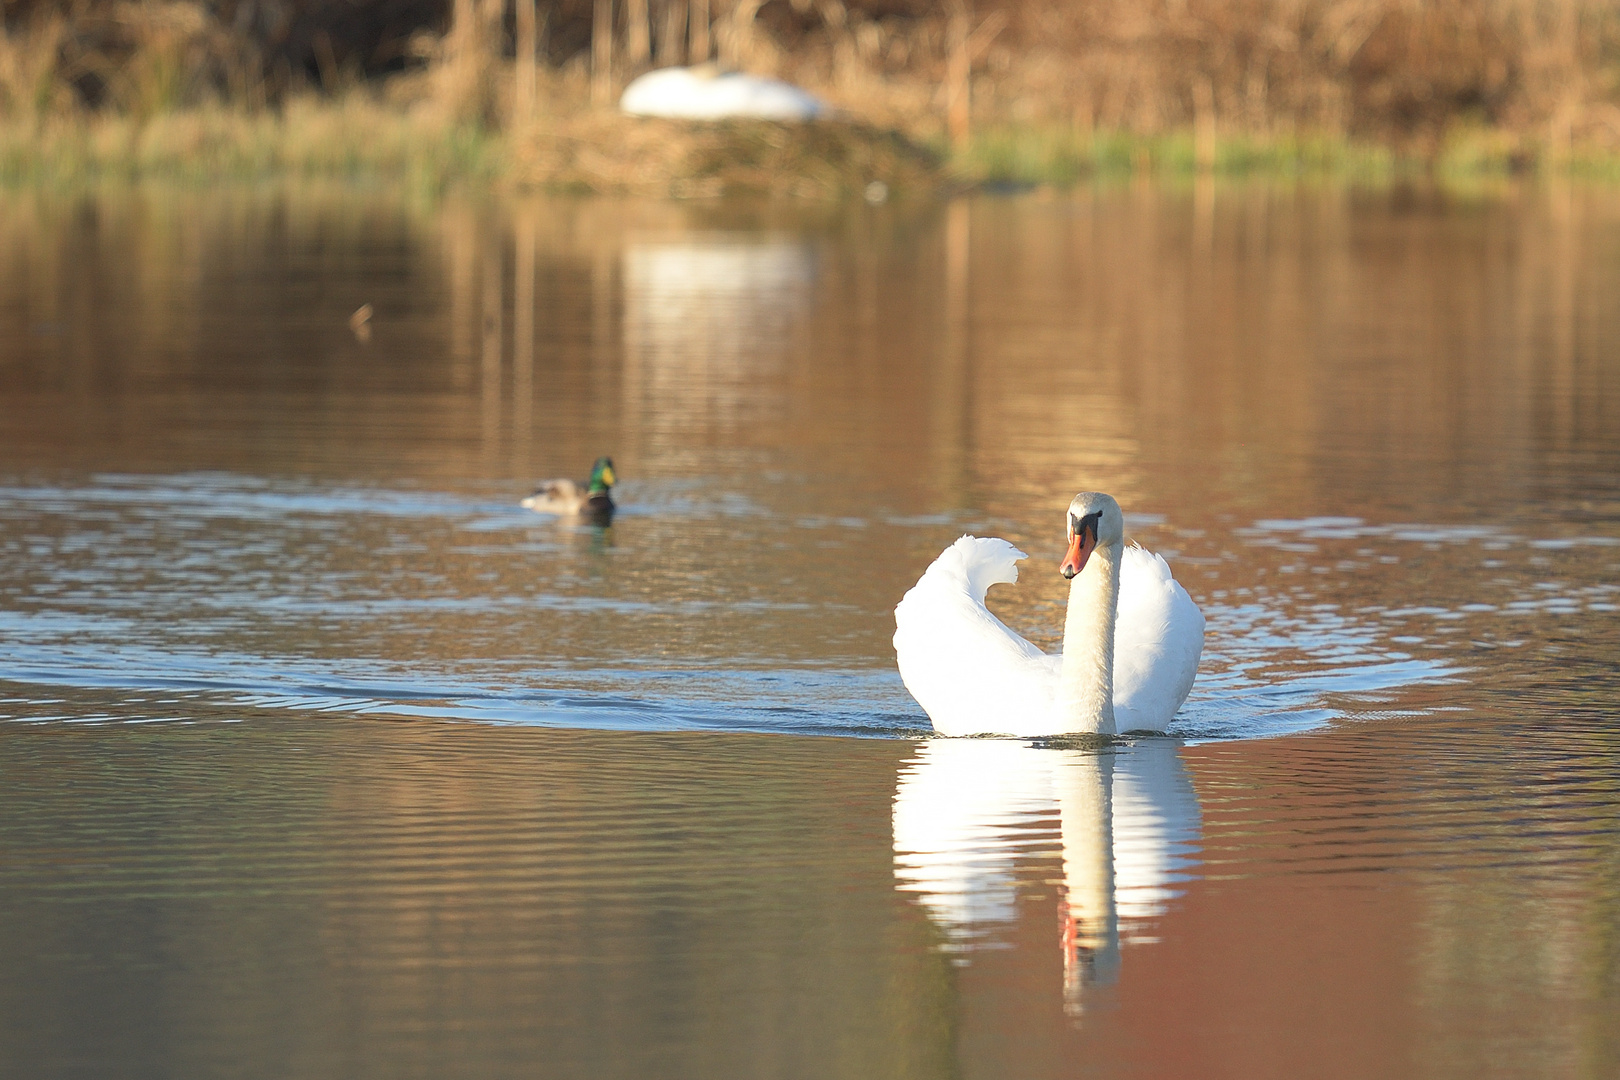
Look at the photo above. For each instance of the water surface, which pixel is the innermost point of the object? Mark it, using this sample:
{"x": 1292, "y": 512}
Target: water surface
{"x": 323, "y": 757}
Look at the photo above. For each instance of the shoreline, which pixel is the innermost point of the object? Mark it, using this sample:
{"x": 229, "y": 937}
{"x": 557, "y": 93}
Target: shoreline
{"x": 927, "y": 99}
{"x": 359, "y": 135}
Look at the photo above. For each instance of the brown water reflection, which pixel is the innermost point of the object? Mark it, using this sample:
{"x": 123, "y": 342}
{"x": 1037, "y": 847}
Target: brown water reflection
{"x": 1295, "y": 344}
{"x": 364, "y": 898}
{"x": 1377, "y": 434}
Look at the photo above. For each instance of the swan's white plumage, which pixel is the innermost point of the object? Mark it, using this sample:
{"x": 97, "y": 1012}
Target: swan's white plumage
{"x": 1159, "y": 636}
{"x": 965, "y": 667}
{"x": 707, "y": 93}
{"x": 973, "y": 675}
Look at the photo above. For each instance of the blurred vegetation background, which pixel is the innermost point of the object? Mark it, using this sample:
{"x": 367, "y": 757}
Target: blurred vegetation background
{"x": 522, "y": 92}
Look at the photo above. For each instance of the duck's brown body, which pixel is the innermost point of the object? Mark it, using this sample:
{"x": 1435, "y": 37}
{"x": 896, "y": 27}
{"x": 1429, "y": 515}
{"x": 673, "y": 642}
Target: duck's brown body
{"x": 591, "y": 501}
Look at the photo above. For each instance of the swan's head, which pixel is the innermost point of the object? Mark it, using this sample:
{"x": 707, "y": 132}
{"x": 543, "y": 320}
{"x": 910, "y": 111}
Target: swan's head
{"x": 1094, "y": 518}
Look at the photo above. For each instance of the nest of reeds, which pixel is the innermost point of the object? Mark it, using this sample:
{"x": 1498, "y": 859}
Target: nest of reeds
{"x": 603, "y": 151}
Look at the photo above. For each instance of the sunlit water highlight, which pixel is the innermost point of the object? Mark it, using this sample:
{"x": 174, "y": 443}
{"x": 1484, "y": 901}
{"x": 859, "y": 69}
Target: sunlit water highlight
{"x": 156, "y": 584}
{"x": 163, "y": 585}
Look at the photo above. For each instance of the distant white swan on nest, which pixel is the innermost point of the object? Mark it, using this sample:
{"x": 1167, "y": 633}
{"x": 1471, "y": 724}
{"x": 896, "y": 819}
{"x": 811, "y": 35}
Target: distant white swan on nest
{"x": 707, "y": 93}
{"x": 1131, "y": 639}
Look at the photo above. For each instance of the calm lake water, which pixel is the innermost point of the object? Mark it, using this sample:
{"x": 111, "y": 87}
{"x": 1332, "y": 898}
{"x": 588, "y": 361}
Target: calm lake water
{"x": 321, "y": 757}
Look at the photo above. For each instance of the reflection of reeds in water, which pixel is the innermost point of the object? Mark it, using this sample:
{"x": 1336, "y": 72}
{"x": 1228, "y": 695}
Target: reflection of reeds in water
{"x": 1174, "y": 344}
{"x": 704, "y": 325}
{"x": 1219, "y": 338}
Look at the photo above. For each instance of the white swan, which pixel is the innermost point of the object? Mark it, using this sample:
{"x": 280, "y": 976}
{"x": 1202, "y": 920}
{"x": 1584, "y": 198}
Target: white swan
{"x": 707, "y": 93}
{"x": 1131, "y": 641}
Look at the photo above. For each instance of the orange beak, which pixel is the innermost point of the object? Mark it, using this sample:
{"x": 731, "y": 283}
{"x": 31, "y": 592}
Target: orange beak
{"x": 1081, "y": 545}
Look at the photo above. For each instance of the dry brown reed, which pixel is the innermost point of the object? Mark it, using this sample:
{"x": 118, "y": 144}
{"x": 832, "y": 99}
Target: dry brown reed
{"x": 1014, "y": 89}
{"x": 1401, "y": 73}
{"x": 600, "y": 150}
{"x": 31, "y": 85}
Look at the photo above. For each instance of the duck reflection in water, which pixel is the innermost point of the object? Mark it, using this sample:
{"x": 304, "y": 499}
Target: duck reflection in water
{"x": 972, "y": 817}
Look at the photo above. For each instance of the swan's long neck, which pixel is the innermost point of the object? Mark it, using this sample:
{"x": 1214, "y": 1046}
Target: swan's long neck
{"x": 1086, "y": 681}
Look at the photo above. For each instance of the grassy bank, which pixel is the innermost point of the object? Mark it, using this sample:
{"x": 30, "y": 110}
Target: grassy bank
{"x": 575, "y": 147}
{"x": 1019, "y": 155}
{"x": 351, "y": 137}
{"x": 1020, "y": 94}
{"x": 584, "y": 151}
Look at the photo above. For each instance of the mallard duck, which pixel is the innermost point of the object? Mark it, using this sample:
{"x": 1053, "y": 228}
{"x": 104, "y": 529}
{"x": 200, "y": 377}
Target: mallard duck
{"x": 591, "y": 500}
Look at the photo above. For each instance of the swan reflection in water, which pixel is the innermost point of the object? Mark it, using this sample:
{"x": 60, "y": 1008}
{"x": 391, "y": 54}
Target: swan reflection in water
{"x": 973, "y": 817}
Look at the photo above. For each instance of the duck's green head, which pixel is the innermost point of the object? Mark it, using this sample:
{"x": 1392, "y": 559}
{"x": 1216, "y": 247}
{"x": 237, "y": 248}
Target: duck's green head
{"x": 602, "y": 477}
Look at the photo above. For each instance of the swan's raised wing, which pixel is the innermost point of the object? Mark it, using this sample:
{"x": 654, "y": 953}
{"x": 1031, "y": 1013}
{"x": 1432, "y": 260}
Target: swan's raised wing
{"x": 969, "y": 672}
{"x": 1158, "y": 638}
